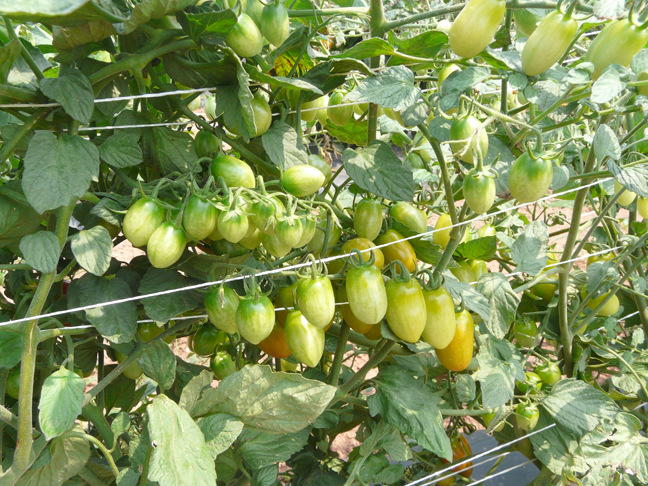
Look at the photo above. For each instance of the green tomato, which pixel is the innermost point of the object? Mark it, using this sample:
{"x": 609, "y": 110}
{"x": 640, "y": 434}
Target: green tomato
{"x": 366, "y": 294}
{"x": 254, "y": 8}
{"x": 527, "y": 416}
{"x": 549, "y": 373}
{"x": 275, "y": 24}
{"x": 525, "y": 333}
{"x": 205, "y": 340}
{"x": 475, "y": 26}
{"x": 12, "y": 385}
{"x": 530, "y": 177}
{"x": 532, "y": 383}
{"x": 252, "y": 239}
{"x": 133, "y": 370}
{"x": 233, "y": 225}
{"x": 526, "y": 21}
{"x": 406, "y": 311}
{"x": 479, "y": 191}
{"x": 149, "y": 330}
{"x": 309, "y": 116}
{"x": 488, "y": 418}
{"x": 273, "y": 246}
{"x": 262, "y": 114}
{"x": 617, "y": 43}
{"x": 221, "y": 305}
{"x": 642, "y": 207}
{"x": 339, "y": 115}
{"x": 166, "y": 245}
{"x": 141, "y": 220}
{"x": 235, "y": 172}
{"x": 441, "y": 235}
{"x": 305, "y": 341}
{"x": 210, "y": 107}
{"x": 412, "y": 217}
{"x": 486, "y": 230}
{"x": 289, "y": 231}
{"x": 322, "y": 165}
{"x": 478, "y": 268}
{"x": 302, "y": 180}
{"x": 200, "y": 218}
{"x": 441, "y": 324}
{"x": 261, "y": 211}
{"x": 255, "y": 318}
{"x": 610, "y": 308}
{"x": 368, "y": 219}
{"x": 463, "y": 272}
{"x": 461, "y": 129}
{"x": 548, "y": 43}
{"x": 222, "y": 365}
{"x": 316, "y": 300}
{"x": 545, "y": 291}
{"x": 626, "y": 198}
{"x": 206, "y": 143}
{"x": 447, "y": 70}
{"x": 317, "y": 243}
{"x": 415, "y": 160}
{"x": 245, "y": 39}
{"x": 309, "y": 226}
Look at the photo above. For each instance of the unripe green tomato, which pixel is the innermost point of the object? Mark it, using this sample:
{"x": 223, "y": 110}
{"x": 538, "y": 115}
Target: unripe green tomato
{"x": 412, "y": 217}
{"x": 366, "y": 293}
{"x": 602, "y": 257}
{"x": 642, "y": 207}
{"x": 302, "y": 180}
{"x": 461, "y": 129}
{"x": 488, "y": 418}
{"x": 273, "y": 246}
{"x": 486, "y": 230}
{"x": 316, "y": 300}
{"x": 610, "y": 308}
{"x": 309, "y": 226}
{"x": 527, "y": 416}
{"x": 262, "y": 114}
{"x": 406, "y": 310}
{"x": 255, "y": 318}
{"x": 362, "y": 244}
{"x": 526, "y": 21}
{"x": 288, "y": 366}
{"x": 447, "y": 70}
{"x": 368, "y": 219}
{"x": 478, "y": 268}
{"x": 235, "y": 172}
{"x": 200, "y": 218}
{"x": 549, "y": 373}
{"x": 245, "y": 39}
{"x": 141, "y": 220}
{"x": 444, "y": 26}
{"x": 479, "y": 191}
{"x": 525, "y": 333}
{"x": 322, "y": 114}
{"x": 12, "y": 385}
{"x": 222, "y": 365}
{"x": 210, "y": 107}
{"x": 206, "y": 339}
{"x": 362, "y": 108}
{"x": 529, "y": 178}
{"x": 463, "y": 272}
{"x": 441, "y": 323}
{"x": 221, "y": 305}
{"x": 206, "y": 143}
{"x": 317, "y": 242}
{"x": 322, "y": 165}
{"x": 166, "y": 245}
{"x": 233, "y": 225}
{"x": 306, "y": 342}
{"x": 275, "y": 24}
{"x": 441, "y": 236}
{"x": 415, "y": 160}
{"x": 475, "y": 26}
{"x": 617, "y": 43}
{"x": 545, "y": 291}
{"x": 289, "y": 231}
{"x": 642, "y": 89}
{"x": 133, "y": 371}
{"x": 397, "y": 249}
{"x": 532, "y": 383}
{"x": 252, "y": 239}
{"x": 309, "y": 116}
{"x": 254, "y": 8}
{"x": 626, "y": 198}
{"x": 338, "y": 115}
{"x": 150, "y": 330}
{"x": 548, "y": 43}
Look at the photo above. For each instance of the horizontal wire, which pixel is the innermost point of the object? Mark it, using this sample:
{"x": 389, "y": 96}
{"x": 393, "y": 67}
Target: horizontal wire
{"x": 485, "y": 461}
{"x": 149, "y": 125}
{"x": 284, "y": 269}
{"x": 501, "y": 473}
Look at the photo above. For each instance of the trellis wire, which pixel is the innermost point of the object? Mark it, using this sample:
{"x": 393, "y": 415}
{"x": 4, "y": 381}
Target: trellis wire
{"x": 284, "y": 269}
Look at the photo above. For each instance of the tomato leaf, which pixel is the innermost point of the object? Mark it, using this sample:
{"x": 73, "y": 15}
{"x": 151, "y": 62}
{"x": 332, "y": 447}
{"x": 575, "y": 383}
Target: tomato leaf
{"x": 93, "y": 249}
{"x": 173, "y": 150}
{"x": 496, "y": 379}
{"x": 634, "y": 179}
{"x": 74, "y": 91}
{"x": 158, "y": 362}
{"x": 607, "y": 87}
{"x": 10, "y": 349}
{"x": 121, "y": 150}
{"x": 529, "y": 251}
{"x": 60, "y": 402}
{"x": 153, "y": 9}
{"x": 166, "y": 307}
{"x": 283, "y": 146}
{"x": 120, "y": 393}
{"x": 475, "y": 301}
{"x": 180, "y": 456}
{"x": 466, "y": 388}
{"x": 392, "y": 88}
{"x": 220, "y": 431}
{"x": 207, "y": 22}
{"x": 428, "y": 44}
{"x": 56, "y": 171}
{"x": 233, "y": 103}
{"x": 478, "y": 249}
{"x": 261, "y": 449}
{"x": 503, "y": 302}
{"x": 8, "y": 55}
{"x": 41, "y": 250}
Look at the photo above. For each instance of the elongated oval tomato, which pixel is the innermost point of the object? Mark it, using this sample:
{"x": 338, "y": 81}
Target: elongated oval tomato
{"x": 235, "y": 172}
{"x": 412, "y": 217}
{"x": 262, "y": 114}
{"x": 275, "y": 344}
{"x": 530, "y": 178}
{"x": 461, "y": 129}
{"x": 347, "y": 314}
{"x": 206, "y": 339}
{"x": 221, "y": 305}
{"x": 254, "y": 8}
{"x": 548, "y": 43}
{"x": 610, "y": 308}
{"x": 165, "y": 246}
{"x": 273, "y": 246}
{"x": 441, "y": 236}
{"x": 141, "y": 220}
{"x": 316, "y": 300}
{"x": 626, "y": 198}
{"x": 463, "y": 272}
{"x": 309, "y": 116}
{"x": 479, "y": 191}
{"x": 475, "y": 26}
{"x": 222, "y": 365}
{"x": 206, "y": 143}
{"x": 289, "y": 231}
{"x": 252, "y": 238}
{"x": 527, "y": 416}
{"x": 302, "y": 180}
{"x": 233, "y": 225}
{"x": 525, "y": 333}
{"x": 617, "y": 43}
{"x": 245, "y": 38}
{"x": 200, "y": 218}
{"x": 275, "y": 24}
{"x": 285, "y": 300}
{"x": 338, "y": 115}
{"x": 309, "y": 225}
{"x": 365, "y": 244}
{"x": 406, "y": 311}
{"x": 368, "y": 219}
{"x": 306, "y": 341}
{"x": 440, "y": 324}
{"x": 642, "y": 207}
{"x": 365, "y": 289}
{"x": 261, "y": 211}
{"x": 316, "y": 244}
{"x": 322, "y": 165}
{"x": 401, "y": 251}
{"x": 133, "y": 371}
{"x": 457, "y": 355}
{"x": 447, "y": 70}
{"x": 255, "y": 318}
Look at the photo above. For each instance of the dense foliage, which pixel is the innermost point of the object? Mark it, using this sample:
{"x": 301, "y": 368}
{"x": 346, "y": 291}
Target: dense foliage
{"x": 364, "y": 218}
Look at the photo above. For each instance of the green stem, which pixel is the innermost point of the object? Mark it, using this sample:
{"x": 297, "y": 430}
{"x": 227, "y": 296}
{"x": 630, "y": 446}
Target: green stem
{"x": 95, "y": 415}
{"x": 25, "y": 128}
{"x": 329, "y": 12}
{"x": 52, "y": 333}
{"x": 17, "y": 93}
{"x": 596, "y": 222}
{"x": 23, "y": 50}
{"x": 381, "y": 353}
{"x": 15, "y": 266}
{"x": 340, "y": 348}
{"x": 464, "y": 412}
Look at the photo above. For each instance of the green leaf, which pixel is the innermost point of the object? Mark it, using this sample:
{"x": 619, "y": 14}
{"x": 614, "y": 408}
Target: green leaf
{"x": 260, "y": 449}
{"x": 58, "y": 171}
{"x": 67, "y": 38}
{"x": 280, "y": 81}
{"x": 220, "y": 431}
{"x": 10, "y": 349}
{"x": 353, "y": 133}
{"x": 41, "y": 250}
{"x": 270, "y": 401}
{"x": 378, "y": 169}
{"x": 545, "y": 93}
{"x": 639, "y": 62}
{"x": 607, "y": 87}
{"x": 67, "y": 456}
{"x": 465, "y": 387}
{"x": 509, "y": 59}
{"x": 440, "y": 128}
{"x": 479, "y": 248}
{"x": 60, "y": 402}
{"x": 207, "y": 24}
{"x": 153, "y": 9}
{"x": 117, "y": 323}
{"x": 194, "y": 389}
{"x": 173, "y": 150}
{"x": 166, "y": 307}
{"x": 393, "y": 88}
{"x": 119, "y": 393}
{"x": 553, "y": 447}
{"x": 634, "y": 179}
{"x": 158, "y": 363}
{"x": 8, "y": 55}
{"x": 233, "y": 103}
{"x": 121, "y": 150}
{"x": 428, "y": 44}
{"x": 93, "y": 249}
{"x": 120, "y": 424}
{"x": 598, "y": 272}
{"x": 529, "y": 251}
{"x": 40, "y": 10}
{"x": 503, "y": 302}
{"x": 283, "y": 146}
{"x": 496, "y": 379}
{"x": 464, "y": 80}
{"x": 180, "y": 456}
{"x": 412, "y": 408}
{"x": 606, "y": 144}
{"x": 74, "y": 91}
{"x": 372, "y": 47}
{"x": 128, "y": 477}
{"x": 475, "y": 301}
{"x": 579, "y": 407}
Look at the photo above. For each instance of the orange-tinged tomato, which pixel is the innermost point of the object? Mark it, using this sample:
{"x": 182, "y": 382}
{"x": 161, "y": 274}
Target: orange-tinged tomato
{"x": 374, "y": 333}
{"x": 458, "y": 354}
{"x": 285, "y": 299}
{"x": 365, "y": 244}
{"x": 275, "y": 344}
{"x": 460, "y": 450}
{"x": 401, "y": 251}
